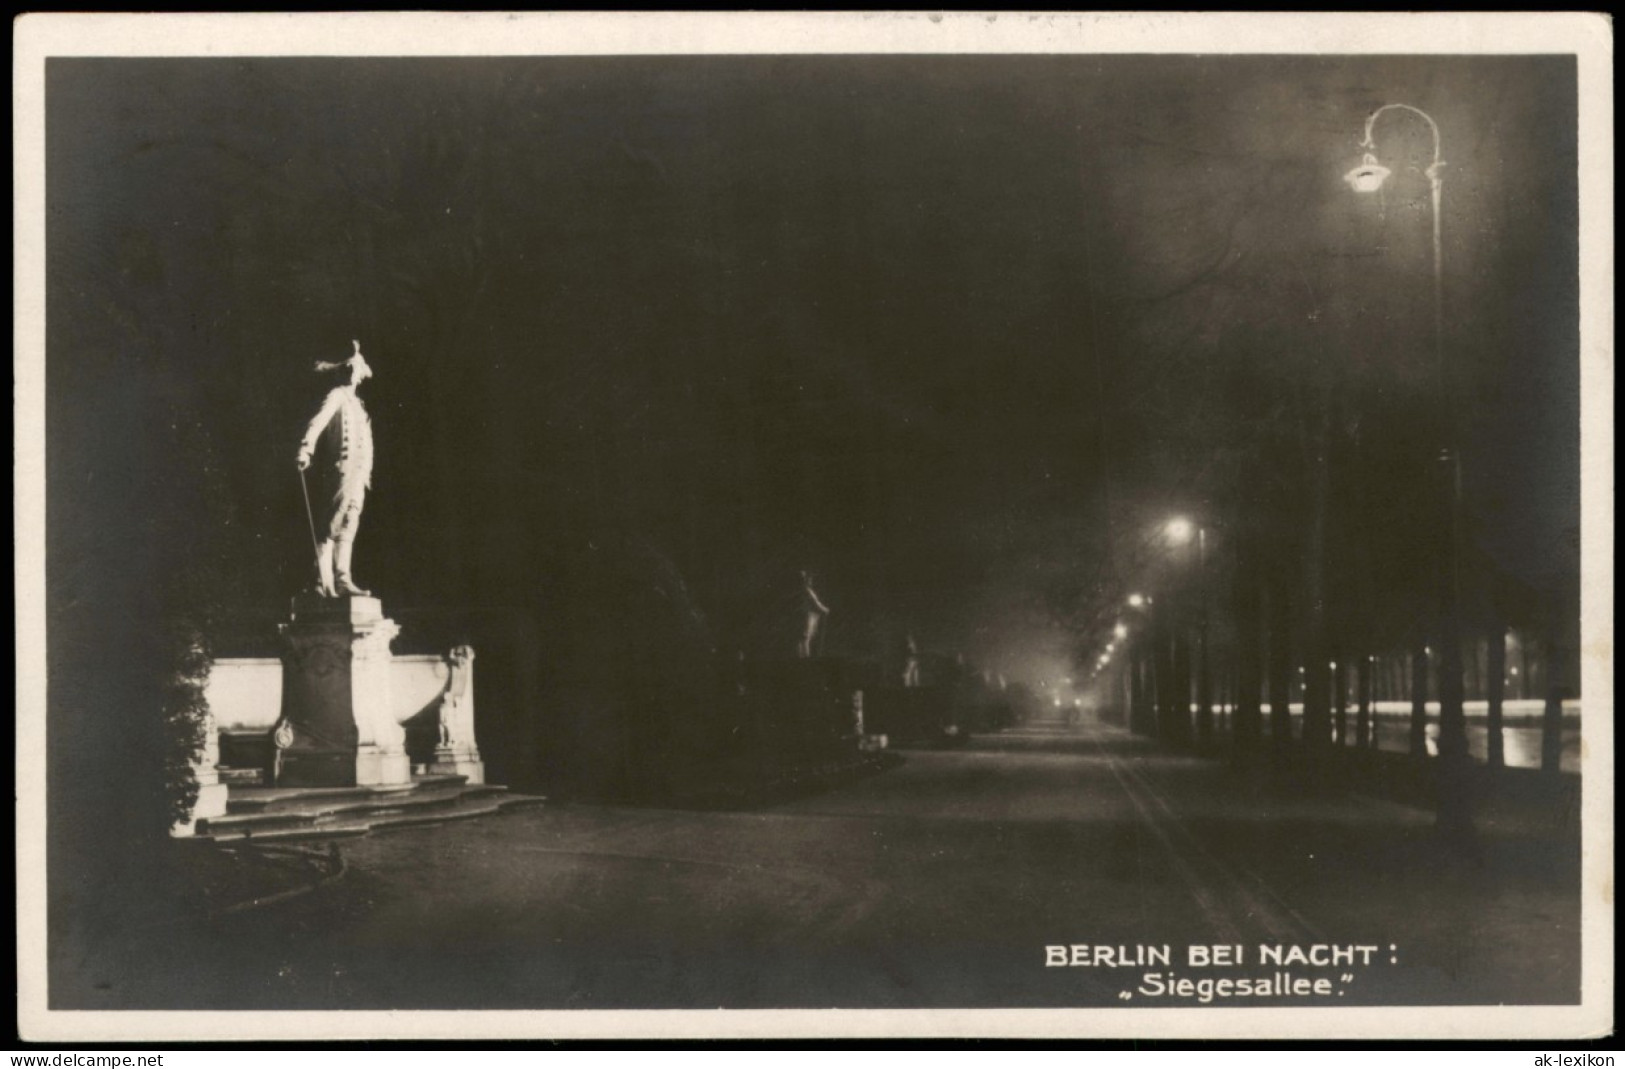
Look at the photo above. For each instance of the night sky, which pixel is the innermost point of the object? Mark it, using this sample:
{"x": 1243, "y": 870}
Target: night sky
{"x": 942, "y": 329}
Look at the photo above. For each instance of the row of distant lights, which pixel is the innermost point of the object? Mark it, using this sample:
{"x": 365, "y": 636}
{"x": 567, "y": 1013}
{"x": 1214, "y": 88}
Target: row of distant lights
{"x": 1140, "y": 601}
{"x": 1179, "y": 531}
{"x": 1119, "y": 632}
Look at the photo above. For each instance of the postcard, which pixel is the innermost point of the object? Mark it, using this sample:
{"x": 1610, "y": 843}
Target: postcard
{"x": 745, "y": 525}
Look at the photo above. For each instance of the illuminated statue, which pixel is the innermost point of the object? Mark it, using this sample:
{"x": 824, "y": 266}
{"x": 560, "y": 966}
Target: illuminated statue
{"x": 813, "y": 612}
{"x": 337, "y": 447}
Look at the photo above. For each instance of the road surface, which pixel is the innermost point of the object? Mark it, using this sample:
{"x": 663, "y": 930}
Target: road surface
{"x": 943, "y": 882}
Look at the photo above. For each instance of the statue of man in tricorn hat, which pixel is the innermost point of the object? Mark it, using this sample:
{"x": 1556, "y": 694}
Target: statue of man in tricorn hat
{"x": 337, "y": 449}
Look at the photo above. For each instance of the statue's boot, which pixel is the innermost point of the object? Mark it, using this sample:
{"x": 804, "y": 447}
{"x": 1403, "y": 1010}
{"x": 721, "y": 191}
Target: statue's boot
{"x": 341, "y": 570}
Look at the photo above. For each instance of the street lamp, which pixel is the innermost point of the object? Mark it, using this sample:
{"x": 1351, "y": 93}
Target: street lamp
{"x": 1368, "y": 177}
{"x": 1179, "y": 530}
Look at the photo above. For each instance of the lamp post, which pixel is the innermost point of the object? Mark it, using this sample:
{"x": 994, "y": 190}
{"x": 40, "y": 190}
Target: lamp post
{"x": 1142, "y": 660}
{"x": 1180, "y": 531}
{"x": 1204, "y": 665}
{"x": 1368, "y": 177}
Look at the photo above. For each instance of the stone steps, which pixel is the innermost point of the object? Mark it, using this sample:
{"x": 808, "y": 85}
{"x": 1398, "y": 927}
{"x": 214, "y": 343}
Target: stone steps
{"x": 357, "y": 826}
{"x": 292, "y": 814}
{"x": 319, "y": 811}
{"x": 268, "y": 799}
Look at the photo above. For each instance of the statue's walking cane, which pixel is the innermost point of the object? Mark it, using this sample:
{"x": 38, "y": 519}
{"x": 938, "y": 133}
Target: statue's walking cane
{"x": 310, "y": 517}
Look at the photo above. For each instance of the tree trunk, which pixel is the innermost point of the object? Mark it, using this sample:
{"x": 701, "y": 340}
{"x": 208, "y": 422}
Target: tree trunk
{"x": 1180, "y": 724}
{"x": 1246, "y": 725}
{"x": 1162, "y": 672}
{"x": 1419, "y": 699}
{"x": 1204, "y": 688}
{"x": 1135, "y": 688}
{"x": 1454, "y": 768}
{"x": 1204, "y": 654}
{"x": 1147, "y": 701}
{"x": 1317, "y": 725}
{"x": 1363, "y": 735}
{"x": 1280, "y": 668}
{"x": 1340, "y": 717}
{"x": 1551, "y": 721}
{"x": 1495, "y": 686}
{"x": 1125, "y": 690}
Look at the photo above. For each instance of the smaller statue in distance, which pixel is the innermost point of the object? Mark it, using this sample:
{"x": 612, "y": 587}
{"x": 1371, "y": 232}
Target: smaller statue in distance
{"x": 911, "y": 662}
{"x": 813, "y": 612}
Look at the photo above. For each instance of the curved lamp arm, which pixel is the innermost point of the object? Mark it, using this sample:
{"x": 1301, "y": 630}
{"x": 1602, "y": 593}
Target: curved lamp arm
{"x": 1370, "y": 144}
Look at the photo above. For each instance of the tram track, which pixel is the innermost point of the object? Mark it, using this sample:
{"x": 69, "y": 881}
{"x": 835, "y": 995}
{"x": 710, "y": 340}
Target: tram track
{"x": 1235, "y": 901}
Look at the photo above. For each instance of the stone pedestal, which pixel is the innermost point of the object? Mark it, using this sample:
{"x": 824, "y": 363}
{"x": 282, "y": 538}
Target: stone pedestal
{"x": 211, "y": 799}
{"x": 867, "y": 743}
{"x": 337, "y": 726}
{"x": 450, "y": 762}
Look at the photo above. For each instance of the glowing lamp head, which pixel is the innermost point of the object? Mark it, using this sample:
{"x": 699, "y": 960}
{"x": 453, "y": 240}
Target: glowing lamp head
{"x": 1136, "y": 600}
{"x": 1121, "y": 631}
{"x": 1180, "y": 531}
{"x": 1369, "y": 176}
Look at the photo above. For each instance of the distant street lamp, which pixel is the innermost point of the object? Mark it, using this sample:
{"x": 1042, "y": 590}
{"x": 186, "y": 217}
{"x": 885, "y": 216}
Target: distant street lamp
{"x": 1368, "y": 177}
{"x": 1180, "y": 530}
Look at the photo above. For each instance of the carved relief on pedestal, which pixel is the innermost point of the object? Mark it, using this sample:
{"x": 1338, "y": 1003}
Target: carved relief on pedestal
{"x": 317, "y": 698}
{"x": 318, "y": 654}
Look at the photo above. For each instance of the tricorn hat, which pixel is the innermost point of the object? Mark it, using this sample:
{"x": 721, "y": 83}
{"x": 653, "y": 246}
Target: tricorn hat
{"x": 355, "y": 360}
